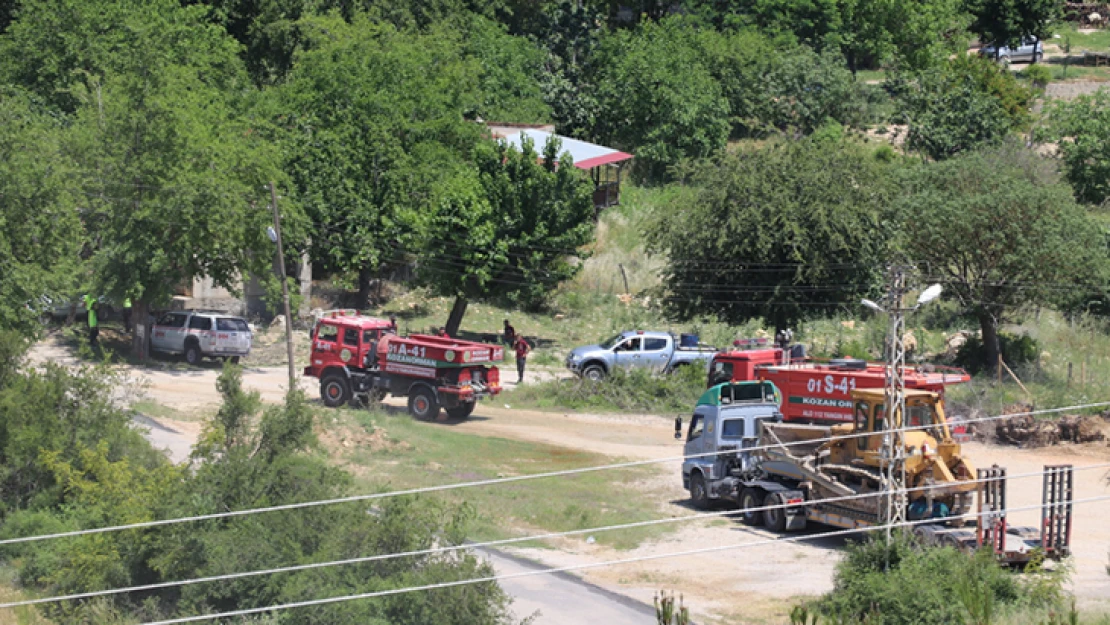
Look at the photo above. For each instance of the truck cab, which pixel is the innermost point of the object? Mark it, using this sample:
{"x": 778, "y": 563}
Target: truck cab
{"x": 728, "y": 419}
{"x": 345, "y": 339}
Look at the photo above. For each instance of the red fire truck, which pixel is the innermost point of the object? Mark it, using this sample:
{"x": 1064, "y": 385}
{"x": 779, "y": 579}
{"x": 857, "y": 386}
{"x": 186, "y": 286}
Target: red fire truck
{"x": 361, "y": 359}
{"x": 818, "y": 392}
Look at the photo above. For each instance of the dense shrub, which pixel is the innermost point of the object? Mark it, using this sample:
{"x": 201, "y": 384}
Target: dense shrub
{"x": 637, "y": 390}
{"x": 911, "y": 585}
{"x": 964, "y": 104}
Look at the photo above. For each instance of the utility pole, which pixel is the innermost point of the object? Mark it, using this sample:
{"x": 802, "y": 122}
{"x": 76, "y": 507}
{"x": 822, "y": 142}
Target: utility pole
{"x": 894, "y": 443}
{"x": 284, "y": 289}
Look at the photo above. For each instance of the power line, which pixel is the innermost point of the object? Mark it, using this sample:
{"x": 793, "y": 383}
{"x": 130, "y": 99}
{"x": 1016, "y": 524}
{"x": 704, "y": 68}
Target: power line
{"x": 575, "y": 567}
{"x": 496, "y": 543}
{"x": 494, "y": 481}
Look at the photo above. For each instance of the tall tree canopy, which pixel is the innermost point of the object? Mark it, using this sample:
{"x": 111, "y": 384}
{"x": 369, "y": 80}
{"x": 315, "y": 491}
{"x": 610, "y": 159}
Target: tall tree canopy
{"x": 657, "y": 98}
{"x": 1007, "y": 22}
{"x": 1001, "y": 231}
{"x": 40, "y": 230}
{"x": 784, "y": 233}
{"x": 509, "y": 227}
{"x": 368, "y": 119}
{"x": 172, "y": 175}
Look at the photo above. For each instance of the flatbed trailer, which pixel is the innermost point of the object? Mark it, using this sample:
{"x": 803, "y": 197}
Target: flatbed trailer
{"x": 787, "y": 475}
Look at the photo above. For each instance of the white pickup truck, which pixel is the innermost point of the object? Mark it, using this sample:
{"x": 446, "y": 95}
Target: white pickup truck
{"x": 637, "y": 349}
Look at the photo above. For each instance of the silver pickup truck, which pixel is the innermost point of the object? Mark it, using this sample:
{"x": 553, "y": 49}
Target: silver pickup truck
{"x": 637, "y": 349}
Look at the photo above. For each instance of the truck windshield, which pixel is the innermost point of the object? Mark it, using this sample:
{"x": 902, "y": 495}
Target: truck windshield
{"x": 610, "y": 343}
{"x": 732, "y": 428}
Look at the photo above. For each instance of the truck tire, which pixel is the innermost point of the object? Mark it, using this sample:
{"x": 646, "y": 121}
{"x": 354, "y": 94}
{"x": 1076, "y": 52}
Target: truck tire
{"x": 335, "y": 390}
{"x": 234, "y": 360}
{"x": 750, "y": 499}
{"x": 461, "y": 411}
{"x": 699, "y": 495}
{"x": 422, "y": 404}
{"x": 594, "y": 372}
{"x": 192, "y": 353}
{"x": 774, "y": 518}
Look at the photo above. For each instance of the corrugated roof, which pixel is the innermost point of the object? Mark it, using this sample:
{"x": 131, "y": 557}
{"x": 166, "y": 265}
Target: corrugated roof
{"x": 586, "y": 155}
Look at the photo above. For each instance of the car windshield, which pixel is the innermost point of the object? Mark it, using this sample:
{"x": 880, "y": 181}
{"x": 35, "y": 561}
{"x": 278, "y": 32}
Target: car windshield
{"x": 610, "y": 343}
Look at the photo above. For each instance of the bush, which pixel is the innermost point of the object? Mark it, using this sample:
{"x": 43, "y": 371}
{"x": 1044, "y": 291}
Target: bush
{"x": 1016, "y": 351}
{"x": 638, "y": 390}
{"x": 924, "y": 586}
{"x": 967, "y": 103}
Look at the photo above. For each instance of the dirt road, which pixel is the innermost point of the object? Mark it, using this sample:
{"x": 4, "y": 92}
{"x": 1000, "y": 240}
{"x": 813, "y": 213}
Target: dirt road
{"x": 745, "y": 585}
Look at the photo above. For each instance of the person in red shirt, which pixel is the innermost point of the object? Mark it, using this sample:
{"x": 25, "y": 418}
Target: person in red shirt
{"x": 522, "y": 350}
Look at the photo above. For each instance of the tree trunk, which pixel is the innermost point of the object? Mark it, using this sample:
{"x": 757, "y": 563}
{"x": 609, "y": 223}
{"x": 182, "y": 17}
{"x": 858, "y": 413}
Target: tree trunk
{"x": 140, "y": 329}
{"x": 365, "y": 284}
{"x": 454, "y": 320}
{"x": 991, "y": 346}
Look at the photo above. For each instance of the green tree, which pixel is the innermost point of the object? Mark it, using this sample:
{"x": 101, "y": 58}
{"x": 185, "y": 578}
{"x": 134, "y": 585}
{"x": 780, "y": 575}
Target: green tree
{"x": 508, "y": 227}
{"x": 40, "y": 230}
{"x": 966, "y": 103}
{"x": 657, "y": 98}
{"x": 368, "y": 120}
{"x": 1007, "y": 22}
{"x": 59, "y": 50}
{"x": 780, "y": 89}
{"x": 171, "y": 173}
{"x": 571, "y": 32}
{"x": 786, "y": 232}
{"x": 1000, "y": 230}
{"x": 1081, "y": 129}
{"x": 509, "y": 73}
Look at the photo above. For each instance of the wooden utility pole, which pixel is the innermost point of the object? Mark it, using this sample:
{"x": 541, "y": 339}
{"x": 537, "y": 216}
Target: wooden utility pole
{"x": 284, "y": 289}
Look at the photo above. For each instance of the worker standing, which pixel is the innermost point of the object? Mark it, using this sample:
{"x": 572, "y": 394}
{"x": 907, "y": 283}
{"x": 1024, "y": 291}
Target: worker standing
{"x": 510, "y": 333}
{"x": 127, "y": 315}
{"x": 94, "y": 327}
{"x": 522, "y": 350}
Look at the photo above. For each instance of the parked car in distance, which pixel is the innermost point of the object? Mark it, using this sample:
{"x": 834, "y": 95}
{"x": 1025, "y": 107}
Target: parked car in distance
{"x": 1031, "y": 50}
{"x": 201, "y": 333}
{"x": 638, "y": 349}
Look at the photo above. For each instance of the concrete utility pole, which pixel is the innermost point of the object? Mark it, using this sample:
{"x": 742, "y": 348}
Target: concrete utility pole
{"x": 284, "y": 289}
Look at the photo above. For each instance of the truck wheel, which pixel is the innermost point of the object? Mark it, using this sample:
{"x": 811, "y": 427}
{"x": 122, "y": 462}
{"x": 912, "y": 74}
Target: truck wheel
{"x": 461, "y": 411}
{"x": 234, "y": 360}
{"x": 774, "y": 518}
{"x": 335, "y": 391}
{"x": 699, "y": 496}
{"x": 422, "y": 404}
{"x": 594, "y": 373}
{"x": 750, "y": 499}
{"x": 192, "y": 354}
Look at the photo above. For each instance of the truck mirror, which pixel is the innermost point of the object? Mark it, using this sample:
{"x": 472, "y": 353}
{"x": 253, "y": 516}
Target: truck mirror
{"x": 678, "y": 428}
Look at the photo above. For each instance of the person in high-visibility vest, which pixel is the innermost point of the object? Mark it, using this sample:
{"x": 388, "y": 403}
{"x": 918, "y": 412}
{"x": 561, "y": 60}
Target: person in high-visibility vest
{"x": 127, "y": 315}
{"x": 91, "y": 306}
